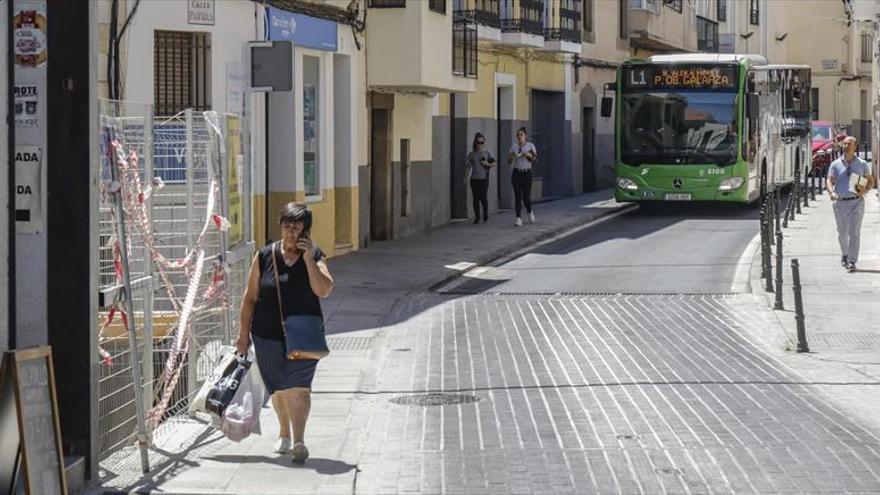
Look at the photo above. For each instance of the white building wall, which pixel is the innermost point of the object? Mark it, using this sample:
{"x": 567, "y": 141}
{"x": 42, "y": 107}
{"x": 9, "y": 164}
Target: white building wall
{"x": 236, "y": 23}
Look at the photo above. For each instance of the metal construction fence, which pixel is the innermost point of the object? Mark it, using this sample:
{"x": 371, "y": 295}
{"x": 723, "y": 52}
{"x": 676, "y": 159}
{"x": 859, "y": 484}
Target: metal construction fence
{"x": 187, "y": 235}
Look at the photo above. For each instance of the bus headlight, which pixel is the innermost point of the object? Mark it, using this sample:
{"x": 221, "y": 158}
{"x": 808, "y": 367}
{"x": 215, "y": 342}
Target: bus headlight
{"x": 628, "y": 184}
{"x": 730, "y": 184}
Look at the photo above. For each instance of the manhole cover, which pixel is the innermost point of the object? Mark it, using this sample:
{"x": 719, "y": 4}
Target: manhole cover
{"x": 434, "y": 399}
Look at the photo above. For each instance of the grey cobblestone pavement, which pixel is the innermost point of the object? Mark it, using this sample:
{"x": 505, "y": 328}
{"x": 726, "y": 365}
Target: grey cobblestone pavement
{"x": 608, "y": 394}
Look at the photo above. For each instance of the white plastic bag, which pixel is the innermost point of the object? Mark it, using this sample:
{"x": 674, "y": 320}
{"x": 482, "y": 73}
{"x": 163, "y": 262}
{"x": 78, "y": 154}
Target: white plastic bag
{"x": 242, "y": 415}
{"x": 226, "y": 354}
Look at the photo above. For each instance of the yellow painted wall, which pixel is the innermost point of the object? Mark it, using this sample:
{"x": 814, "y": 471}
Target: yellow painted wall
{"x": 335, "y": 217}
{"x": 531, "y": 73}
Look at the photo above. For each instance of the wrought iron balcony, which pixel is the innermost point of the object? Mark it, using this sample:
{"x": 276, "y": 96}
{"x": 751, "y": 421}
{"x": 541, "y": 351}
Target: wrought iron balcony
{"x": 522, "y": 16}
{"x": 564, "y": 22}
{"x": 485, "y": 12}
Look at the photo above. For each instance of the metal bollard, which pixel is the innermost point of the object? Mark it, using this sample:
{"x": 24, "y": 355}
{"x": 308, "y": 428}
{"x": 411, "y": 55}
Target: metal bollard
{"x": 813, "y": 186}
{"x": 779, "y": 255}
{"x": 764, "y": 246}
{"x": 798, "y": 307}
{"x": 771, "y": 200}
{"x": 787, "y": 213}
{"x": 797, "y": 196}
{"x": 806, "y": 191}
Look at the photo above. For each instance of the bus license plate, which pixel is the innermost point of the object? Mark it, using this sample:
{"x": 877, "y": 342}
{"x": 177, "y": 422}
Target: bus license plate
{"x": 677, "y": 197}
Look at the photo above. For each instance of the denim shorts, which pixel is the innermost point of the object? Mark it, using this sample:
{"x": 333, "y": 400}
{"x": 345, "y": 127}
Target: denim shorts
{"x": 278, "y": 372}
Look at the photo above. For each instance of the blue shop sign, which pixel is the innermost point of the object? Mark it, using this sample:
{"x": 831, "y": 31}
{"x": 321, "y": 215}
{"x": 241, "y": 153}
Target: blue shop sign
{"x": 301, "y": 29}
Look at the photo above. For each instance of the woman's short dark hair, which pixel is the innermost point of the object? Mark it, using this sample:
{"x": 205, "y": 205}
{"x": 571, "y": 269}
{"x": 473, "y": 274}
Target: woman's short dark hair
{"x": 523, "y": 130}
{"x": 477, "y": 136}
{"x": 296, "y": 212}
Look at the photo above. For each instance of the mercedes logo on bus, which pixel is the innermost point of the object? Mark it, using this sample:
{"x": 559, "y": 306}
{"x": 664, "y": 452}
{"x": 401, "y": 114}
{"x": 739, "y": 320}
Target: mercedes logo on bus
{"x": 677, "y": 183}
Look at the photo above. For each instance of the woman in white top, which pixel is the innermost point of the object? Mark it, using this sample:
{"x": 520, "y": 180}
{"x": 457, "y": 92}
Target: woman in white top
{"x": 522, "y": 155}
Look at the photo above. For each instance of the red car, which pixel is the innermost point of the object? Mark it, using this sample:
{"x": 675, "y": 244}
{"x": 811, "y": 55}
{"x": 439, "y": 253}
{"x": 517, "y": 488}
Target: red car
{"x": 826, "y": 137}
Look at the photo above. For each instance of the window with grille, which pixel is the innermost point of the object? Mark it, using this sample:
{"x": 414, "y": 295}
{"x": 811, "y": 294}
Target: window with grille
{"x": 707, "y": 35}
{"x": 387, "y": 3}
{"x": 754, "y": 12}
{"x": 588, "y": 17}
{"x": 182, "y": 71}
{"x": 814, "y": 103}
{"x": 722, "y": 11}
{"x": 866, "y": 47}
{"x": 674, "y": 5}
{"x": 464, "y": 48}
{"x": 437, "y": 6}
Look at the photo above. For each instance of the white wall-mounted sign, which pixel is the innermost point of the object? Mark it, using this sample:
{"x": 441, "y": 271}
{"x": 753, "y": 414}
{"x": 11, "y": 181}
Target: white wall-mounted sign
{"x": 200, "y": 12}
{"x": 28, "y": 190}
{"x": 829, "y": 63}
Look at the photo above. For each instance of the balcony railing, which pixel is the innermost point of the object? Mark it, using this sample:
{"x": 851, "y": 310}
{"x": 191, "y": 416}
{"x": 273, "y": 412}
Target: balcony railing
{"x": 384, "y": 4}
{"x": 528, "y": 18}
{"x": 564, "y": 21}
{"x": 485, "y": 12}
{"x": 464, "y": 48}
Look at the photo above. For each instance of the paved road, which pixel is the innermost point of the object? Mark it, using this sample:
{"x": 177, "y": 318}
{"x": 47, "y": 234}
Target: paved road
{"x": 673, "y": 249}
{"x": 641, "y": 393}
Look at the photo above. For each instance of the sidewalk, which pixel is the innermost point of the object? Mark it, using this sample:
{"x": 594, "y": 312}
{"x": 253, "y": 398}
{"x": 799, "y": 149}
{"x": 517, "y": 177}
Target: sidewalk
{"x": 841, "y": 310}
{"x": 191, "y": 458}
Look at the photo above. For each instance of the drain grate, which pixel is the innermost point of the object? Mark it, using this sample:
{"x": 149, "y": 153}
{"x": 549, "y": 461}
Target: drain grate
{"x": 844, "y": 340}
{"x": 588, "y": 294}
{"x": 349, "y": 343}
{"x": 434, "y": 400}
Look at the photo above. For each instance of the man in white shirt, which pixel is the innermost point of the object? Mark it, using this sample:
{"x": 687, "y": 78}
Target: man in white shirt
{"x": 849, "y": 200}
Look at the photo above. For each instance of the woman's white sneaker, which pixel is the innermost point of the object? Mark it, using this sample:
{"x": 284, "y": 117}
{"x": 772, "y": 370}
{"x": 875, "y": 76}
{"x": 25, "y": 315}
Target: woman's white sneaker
{"x": 531, "y": 217}
{"x": 282, "y": 446}
{"x": 518, "y": 222}
{"x": 300, "y": 452}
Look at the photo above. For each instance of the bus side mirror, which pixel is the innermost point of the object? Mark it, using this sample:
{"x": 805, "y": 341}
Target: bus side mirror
{"x": 752, "y": 105}
{"x": 607, "y": 105}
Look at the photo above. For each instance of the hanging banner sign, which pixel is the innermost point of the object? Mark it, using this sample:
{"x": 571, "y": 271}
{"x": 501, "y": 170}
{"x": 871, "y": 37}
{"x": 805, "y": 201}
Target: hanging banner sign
{"x": 29, "y": 38}
{"x": 28, "y": 190}
{"x": 27, "y": 103}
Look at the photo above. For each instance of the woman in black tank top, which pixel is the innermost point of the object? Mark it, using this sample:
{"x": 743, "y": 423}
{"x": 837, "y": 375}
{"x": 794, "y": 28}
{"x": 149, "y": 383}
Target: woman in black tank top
{"x": 303, "y": 279}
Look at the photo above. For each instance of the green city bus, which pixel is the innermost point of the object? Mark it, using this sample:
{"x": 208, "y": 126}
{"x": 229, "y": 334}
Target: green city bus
{"x": 708, "y": 127}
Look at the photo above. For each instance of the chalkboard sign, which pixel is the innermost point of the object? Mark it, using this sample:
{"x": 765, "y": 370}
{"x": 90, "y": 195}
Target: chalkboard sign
{"x": 42, "y": 463}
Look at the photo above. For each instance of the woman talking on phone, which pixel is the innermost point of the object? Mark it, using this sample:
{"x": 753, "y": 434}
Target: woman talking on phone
{"x": 522, "y": 155}
{"x": 479, "y": 162}
{"x": 302, "y": 278}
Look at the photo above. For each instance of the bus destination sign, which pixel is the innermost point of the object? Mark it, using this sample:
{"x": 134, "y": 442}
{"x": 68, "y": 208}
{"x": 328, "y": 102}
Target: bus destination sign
{"x": 654, "y": 77}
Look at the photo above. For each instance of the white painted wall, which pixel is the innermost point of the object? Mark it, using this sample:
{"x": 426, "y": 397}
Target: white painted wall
{"x": 236, "y": 23}
{"x": 4, "y": 223}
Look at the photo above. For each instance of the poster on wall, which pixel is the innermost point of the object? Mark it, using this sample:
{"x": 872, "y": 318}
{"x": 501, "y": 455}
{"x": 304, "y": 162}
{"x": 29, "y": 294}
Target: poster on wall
{"x": 235, "y": 83}
{"x": 27, "y": 103}
{"x": 29, "y": 37}
{"x": 28, "y": 190}
{"x": 235, "y": 161}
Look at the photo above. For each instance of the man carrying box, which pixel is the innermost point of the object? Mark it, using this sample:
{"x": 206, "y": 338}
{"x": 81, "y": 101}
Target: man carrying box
{"x": 849, "y": 178}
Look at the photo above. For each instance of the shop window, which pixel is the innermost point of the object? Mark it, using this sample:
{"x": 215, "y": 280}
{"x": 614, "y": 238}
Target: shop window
{"x": 311, "y": 98}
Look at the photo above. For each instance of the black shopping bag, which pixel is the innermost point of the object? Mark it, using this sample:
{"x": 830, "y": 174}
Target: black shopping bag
{"x": 223, "y": 391}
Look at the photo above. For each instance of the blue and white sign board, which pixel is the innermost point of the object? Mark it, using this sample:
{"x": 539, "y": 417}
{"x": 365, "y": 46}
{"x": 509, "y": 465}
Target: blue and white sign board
{"x": 301, "y": 29}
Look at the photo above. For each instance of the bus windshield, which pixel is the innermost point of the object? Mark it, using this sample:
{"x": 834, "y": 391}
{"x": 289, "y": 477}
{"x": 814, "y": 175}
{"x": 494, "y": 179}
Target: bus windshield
{"x": 678, "y": 127}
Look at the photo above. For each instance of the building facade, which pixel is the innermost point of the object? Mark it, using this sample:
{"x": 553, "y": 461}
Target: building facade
{"x": 837, "y": 40}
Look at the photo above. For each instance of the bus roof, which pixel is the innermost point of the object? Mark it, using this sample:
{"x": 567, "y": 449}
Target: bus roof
{"x": 782, "y": 66}
{"x": 710, "y": 58}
